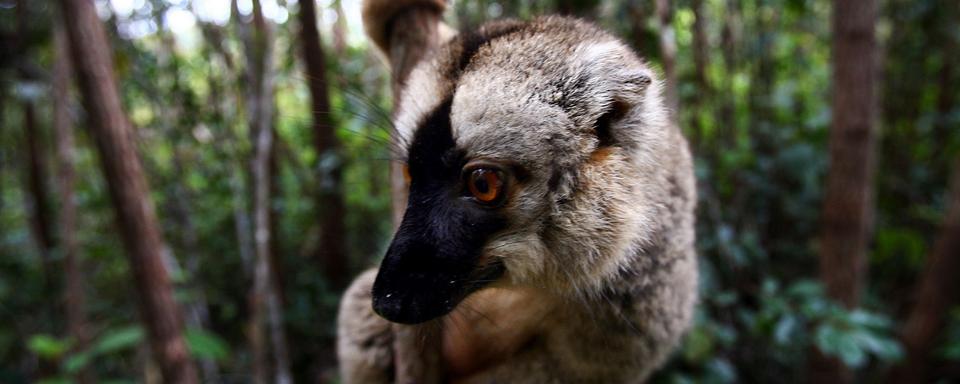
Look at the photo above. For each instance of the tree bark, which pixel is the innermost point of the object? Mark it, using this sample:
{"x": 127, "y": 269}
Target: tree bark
{"x": 36, "y": 181}
{"x": 700, "y": 57}
{"x": 937, "y": 290}
{"x": 848, "y": 201}
{"x": 339, "y": 29}
{"x": 266, "y": 312}
{"x": 728, "y": 41}
{"x": 74, "y": 297}
{"x": 128, "y": 190}
{"x": 668, "y": 54}
{"x": 332, "y": 250}
{"x": 36, "y": 171}
{"x": 4, "y": 154}
{"x": 230, "y": 106}
{"x": 947, "y": 75}
{"x": 197, "y": 309}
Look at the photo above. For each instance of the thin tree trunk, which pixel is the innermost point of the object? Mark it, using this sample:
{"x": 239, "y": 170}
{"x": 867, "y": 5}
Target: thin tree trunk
{"x": 936, "y": 292}
{"x": 36, "y": 181}
{"x": 332, "y": 250}
{"x": 74, "y": 297}
{"x": 700, "y": 56}
{"x": 340, "y": 29}
{"x": 128, "y": 190}
{"x": 229, "y": 106}
{"x": 36, "y": 171}
{"x": 847, "y": 213}
{"x": 728, "y": 125}
{"x": 241, "y": 219}
{"x": 947, "y": 76}
{"x": 197, "y": 309}
{"x": 276, "y": 248}
{"x": 4, "y": 154}
{"x": 266, "y": 313}
{"x": 668, "y": 53}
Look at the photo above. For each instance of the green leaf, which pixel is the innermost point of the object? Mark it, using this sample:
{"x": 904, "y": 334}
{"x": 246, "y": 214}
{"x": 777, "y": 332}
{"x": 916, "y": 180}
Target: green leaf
{"x": 47, "y": 347}
{"x": 206, "y": 345}
{"x": 884, "y": 348}
{"x": 870, "y": 320}
{"x": 951, "y": 352}
{"x": 850, "y": 351}
{"x": 698, "y": 346}
{"x": 117, "y": 339}
{"x": 784, "y": 329}
{"x": 77, "y": 362}
{"x": 722, "y": 371}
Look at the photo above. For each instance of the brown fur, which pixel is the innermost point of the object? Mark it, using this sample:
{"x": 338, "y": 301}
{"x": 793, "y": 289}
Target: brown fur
{"x": 601, "y": 274}
{"x": 377, "y": 16}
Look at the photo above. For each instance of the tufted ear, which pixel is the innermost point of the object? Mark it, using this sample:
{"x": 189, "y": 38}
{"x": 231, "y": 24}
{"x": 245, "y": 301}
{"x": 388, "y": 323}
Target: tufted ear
{"x": 405, "y": 31}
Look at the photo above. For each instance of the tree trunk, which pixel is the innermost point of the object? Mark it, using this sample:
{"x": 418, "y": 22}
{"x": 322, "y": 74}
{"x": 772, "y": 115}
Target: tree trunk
{"x": 36, "y": 181}
{"x": 340, "y": 30}
{"x": 266, "y": 312}
{"x": 35, "y": 178}
{"x": 229, "y": 106}
{"x": 332, "y": 250}
{"x": 947, "y": 76}
{"x": 128, "y": 190}
{"x": 848, "y": 201}
{"x": 74, "y": 297}
{"x": 727, "y": 130}
{"x": 4, "y": 154}
{"x": 937, "y": 290}
{"x": 172, "y": 114}
{"x": 668, "y": 53}
{"x": 700, "y": 56}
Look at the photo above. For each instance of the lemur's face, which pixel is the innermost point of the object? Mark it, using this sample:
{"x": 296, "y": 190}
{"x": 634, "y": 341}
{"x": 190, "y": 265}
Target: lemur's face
{"x": 520, "y": 143}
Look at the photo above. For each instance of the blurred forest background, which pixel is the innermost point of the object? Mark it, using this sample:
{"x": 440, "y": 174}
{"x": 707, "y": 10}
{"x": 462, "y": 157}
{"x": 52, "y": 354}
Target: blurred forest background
{"x": 269, "y": 117}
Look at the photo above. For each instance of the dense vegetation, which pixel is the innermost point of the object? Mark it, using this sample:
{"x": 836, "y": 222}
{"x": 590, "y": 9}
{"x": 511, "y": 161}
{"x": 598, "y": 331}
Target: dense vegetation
{"x": 753, "y": 85}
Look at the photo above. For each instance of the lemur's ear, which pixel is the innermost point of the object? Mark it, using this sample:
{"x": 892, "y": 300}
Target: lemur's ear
{"x": 405, "y": 30}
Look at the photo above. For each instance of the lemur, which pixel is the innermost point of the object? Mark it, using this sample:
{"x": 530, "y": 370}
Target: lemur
{"x": 549, "y": 231}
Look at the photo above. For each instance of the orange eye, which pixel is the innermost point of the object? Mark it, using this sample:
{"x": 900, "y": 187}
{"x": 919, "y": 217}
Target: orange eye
{"x": 486, "y": 185}
{"x": 406, "y": 174}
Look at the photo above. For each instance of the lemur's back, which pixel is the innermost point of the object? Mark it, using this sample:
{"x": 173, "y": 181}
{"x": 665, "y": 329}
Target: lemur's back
{"x": 548, "y": 235}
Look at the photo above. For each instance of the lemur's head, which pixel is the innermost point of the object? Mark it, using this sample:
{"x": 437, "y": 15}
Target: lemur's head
{"x": 533, "y": 155}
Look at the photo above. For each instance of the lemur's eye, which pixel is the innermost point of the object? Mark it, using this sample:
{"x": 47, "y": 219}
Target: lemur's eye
{"x": 406, "y": 174}
{"x": 486, "y": 185}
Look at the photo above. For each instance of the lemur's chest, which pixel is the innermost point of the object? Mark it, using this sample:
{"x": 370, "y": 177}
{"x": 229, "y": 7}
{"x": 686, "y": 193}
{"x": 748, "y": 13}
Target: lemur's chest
{"x": 490, "y": 327}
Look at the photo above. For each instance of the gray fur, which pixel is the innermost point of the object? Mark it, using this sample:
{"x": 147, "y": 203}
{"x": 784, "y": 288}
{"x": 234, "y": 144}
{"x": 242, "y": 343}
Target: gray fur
{"x": 600, "y": 238}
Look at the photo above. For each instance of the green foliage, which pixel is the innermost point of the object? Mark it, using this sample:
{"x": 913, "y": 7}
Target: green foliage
{"x": 47, "y": 346}
{"x": 119, "y": 341}
{"x": 951, "y": 347}
{"x": 205, "y": 345}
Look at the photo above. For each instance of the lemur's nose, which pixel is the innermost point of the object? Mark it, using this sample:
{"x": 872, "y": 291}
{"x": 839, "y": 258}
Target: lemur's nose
{"x": 413, "y": 284}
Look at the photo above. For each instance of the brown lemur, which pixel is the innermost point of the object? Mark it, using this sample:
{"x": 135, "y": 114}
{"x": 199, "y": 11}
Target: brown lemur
{"x": 549, "y": 231}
